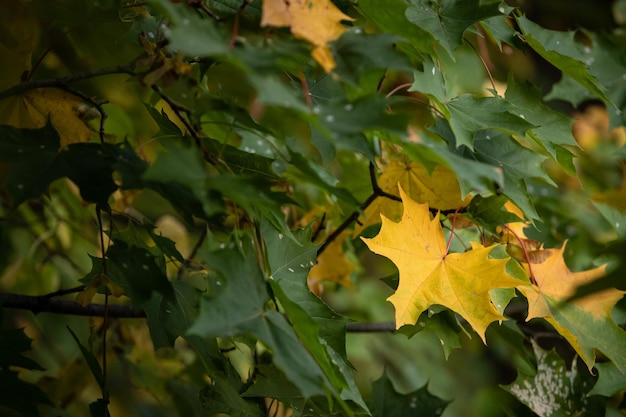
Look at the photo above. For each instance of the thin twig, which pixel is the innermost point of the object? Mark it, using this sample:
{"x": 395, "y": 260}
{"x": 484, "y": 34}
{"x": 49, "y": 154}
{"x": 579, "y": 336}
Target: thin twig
{"x": 305, "y": 88}
{"x": 493, "y": 83}
{"x": 94, "y": 103}
{"x": 453, "y": 223}
{"x": 398, "y": 88}
{"x": 193, "y": 253}
{"x": 179, "y": 110}
{"x": 199, "y": 4}
{"x": 105, "y": 316}
{"x": 346, "y": 223}
{"x": 233, "y": 36}
{"x": 62, "y": 292}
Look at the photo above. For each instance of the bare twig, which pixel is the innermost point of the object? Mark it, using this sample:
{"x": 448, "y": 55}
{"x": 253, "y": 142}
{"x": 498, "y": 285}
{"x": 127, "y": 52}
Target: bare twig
{"x": 181, "y": 112}
{"x": 193, "y": 253}
{"x": 376, "y": 192}
{"x": 233, "y": 37}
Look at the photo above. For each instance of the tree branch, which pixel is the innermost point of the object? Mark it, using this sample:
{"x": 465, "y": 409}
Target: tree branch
{"x": 62, "y": 82}
{"x": 46, "y": 304}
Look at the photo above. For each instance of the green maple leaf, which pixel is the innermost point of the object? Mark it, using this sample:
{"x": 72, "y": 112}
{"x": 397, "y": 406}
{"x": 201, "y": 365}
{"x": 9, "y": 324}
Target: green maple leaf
{"x": 447, "y": 20}
{"x": 387, "y": 402}
{"x": 469, "y": 115}
{"x": 607, "y": 59}
{"x": 552, "y": 128}
{"x": 561, "y": 50}
{"x": 236, "y": 305}
{"x": 384, "y": 15}
{"x": 519, "y": 164}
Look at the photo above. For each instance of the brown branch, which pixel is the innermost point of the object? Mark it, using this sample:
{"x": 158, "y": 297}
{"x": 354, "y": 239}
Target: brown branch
{"x": 45, "y": 304}
{"x": 179, "y": 110}
{"x": 376, "y": 192}
{"x": 61, "y": 82}
{"x": 233, "y": 37}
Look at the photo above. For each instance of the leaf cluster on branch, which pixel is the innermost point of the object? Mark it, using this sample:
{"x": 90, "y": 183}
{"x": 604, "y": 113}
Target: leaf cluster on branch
{"x": 193, "y": 194}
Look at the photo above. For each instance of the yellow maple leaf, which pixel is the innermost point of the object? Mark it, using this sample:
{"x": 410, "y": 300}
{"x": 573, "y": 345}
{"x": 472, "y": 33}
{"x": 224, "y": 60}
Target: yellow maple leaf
{"x": 429, "y": 275}
{"x": 439, "y": 189}
{"x": 33, "y": 108}
{"x": 101, "y": 280}
{"x": 316, "y": 21}
{"x": 332, "y": 265}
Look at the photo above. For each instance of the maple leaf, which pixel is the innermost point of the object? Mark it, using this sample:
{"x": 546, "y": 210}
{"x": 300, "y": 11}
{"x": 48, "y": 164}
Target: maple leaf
{"x": 33, "y": 108}
{"x": 316, "y": 21}
{"x": 586, "y": 322}
{"x": 332, "y": 265}
{"x": 430, "y": 275}
{"x": 439, "y": 189}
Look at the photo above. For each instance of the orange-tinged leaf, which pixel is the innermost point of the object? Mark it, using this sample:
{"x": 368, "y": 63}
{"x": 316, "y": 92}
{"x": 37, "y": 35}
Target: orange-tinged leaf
{"x": 429, "y": 275}
{"x": 439, "y": 189}
{"x": 576, "y": 321}
{"x": 316, "y": 21}
{"x": 332, "y": 265}
{"x": 32, "y": 109}
{"x": 555, "y": 279}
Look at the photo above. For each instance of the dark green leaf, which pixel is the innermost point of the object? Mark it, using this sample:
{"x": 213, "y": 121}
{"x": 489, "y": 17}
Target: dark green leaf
{"x": 387, "y": 402}
{"x": 92, "y": 362}
{"x": 561, "y": 50}
{"x": 553, "y": 128}
{"x": 170, "y": 319}
{"x": 139, "y": 270}
{"x": 236, "y": 305}
{"x": 490, "y": 213}
{"x": 430, "y": 81}
{"x": 190, "y": 33}
{"x": 167, "y": 128}
{"x": 387, "y": 16}
{"x": 13, "y": 343}
{"x": 356, "y": 53}
{"x": 610, "y": 381}
{"x": 19, "y": 395}
{"x": 470, "y": 115}
{"x": 99, "y": 408}
{"x": 447, "y": 20}
{"x": 289, "y": 266}
{"x": 518, "y": 164}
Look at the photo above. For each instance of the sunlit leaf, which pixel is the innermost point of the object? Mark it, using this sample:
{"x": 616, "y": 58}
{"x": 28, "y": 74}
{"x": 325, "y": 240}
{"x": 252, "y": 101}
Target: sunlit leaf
{"x": 316, "y": 21}
{"x": 429, "y": 275}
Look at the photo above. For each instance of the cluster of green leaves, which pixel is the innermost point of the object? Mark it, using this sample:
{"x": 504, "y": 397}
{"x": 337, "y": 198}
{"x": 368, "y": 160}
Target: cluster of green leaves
{"x": 238, "y": 132}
